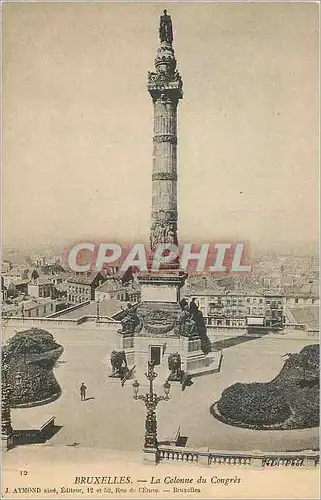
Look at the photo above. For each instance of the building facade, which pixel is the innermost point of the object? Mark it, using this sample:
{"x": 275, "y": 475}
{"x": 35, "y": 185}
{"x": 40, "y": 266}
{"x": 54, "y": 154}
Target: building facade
{"x": 41, "y": 288}
{"x": 81, "y": 288}
{"x": 114, "y": 289}
{"x": 30, "y": 308}
{"x": 239, "y": 308}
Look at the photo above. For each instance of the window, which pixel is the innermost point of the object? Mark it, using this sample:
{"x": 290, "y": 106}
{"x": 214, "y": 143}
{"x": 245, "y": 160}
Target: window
{"x": 261, "y": 301}
{"x": 248, "y": 301}
{"x": 211, "y": 309}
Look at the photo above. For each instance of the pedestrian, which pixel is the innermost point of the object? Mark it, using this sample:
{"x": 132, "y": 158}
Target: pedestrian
{"x": 83, "y": 390}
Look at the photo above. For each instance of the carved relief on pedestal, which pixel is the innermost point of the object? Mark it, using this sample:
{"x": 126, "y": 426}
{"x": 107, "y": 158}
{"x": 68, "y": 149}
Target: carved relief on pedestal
{"x": 159, "y": 322}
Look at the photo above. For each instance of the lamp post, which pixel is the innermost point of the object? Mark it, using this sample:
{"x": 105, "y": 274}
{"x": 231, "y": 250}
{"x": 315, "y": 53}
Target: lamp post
{"x": 151, "y": 400}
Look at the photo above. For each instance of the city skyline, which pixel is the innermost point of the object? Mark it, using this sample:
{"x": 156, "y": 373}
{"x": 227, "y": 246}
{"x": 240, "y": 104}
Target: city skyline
{"x": 78, "y": 122}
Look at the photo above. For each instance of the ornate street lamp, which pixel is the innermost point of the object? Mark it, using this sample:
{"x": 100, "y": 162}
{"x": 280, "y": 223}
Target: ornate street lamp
{"x": 151, "y": 400}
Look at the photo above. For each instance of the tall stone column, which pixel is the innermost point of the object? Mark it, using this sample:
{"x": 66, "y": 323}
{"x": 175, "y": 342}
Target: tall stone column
{"x": 165, "y": 87}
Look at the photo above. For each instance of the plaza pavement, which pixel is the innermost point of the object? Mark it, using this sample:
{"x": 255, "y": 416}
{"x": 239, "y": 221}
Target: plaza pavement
{"x": 112, "y": 419}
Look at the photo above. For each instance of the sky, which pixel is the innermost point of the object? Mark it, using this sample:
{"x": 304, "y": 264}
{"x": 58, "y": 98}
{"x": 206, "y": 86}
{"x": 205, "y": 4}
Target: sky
{"x": 78, "y": 122}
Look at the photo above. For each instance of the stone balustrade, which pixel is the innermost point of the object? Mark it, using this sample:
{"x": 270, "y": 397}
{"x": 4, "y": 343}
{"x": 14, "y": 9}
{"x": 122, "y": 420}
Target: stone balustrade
{"x": 223, "y": 459}
{"x": 68, "y": 309}
{"x": 58, "y": 321}
{"x": 307, "y": 458}
{"x": 166, "y": 453}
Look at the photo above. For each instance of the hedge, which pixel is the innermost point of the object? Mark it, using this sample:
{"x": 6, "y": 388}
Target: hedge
{"x": 254, "y": 404}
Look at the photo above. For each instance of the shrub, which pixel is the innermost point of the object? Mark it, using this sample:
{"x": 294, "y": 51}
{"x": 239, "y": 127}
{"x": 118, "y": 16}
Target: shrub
{"x": 306, "y": 407}
{"x": 33, "y": 341}
{"x": 254, "y": 404}
{"x": 31, "y": 358}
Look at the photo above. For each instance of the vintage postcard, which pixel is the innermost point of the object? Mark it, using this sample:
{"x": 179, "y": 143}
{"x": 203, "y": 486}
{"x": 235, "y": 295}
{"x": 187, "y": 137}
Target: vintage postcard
{"x": 160, "y": 266}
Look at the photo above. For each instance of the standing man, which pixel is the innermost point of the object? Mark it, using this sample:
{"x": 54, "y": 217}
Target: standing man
{"x": 83, "y": 390}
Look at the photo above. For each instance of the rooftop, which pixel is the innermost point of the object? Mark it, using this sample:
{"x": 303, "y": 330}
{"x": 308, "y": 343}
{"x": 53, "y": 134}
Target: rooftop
{"x": 25, "y": 304}
{"x": 110, "y": 285}
{"x": 43, "y": 280}
{"x": 304, "y": 291}
{"x": 84, "y": 279}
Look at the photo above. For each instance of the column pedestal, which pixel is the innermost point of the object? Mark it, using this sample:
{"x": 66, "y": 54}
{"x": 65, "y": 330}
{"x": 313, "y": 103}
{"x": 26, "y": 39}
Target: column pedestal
{"x": 161, "y": 287}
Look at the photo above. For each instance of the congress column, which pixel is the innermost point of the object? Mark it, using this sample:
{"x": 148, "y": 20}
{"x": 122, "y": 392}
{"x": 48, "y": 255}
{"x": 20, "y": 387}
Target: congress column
{"x": 165, "y": 87}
